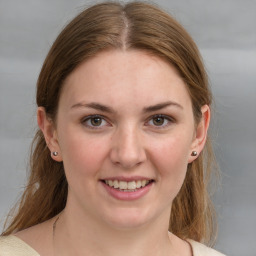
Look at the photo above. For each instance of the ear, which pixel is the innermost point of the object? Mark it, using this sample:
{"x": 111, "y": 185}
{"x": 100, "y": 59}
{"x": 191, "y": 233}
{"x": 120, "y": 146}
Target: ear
{"x": 200, "y": 133}
{"x": 50, "y": 134}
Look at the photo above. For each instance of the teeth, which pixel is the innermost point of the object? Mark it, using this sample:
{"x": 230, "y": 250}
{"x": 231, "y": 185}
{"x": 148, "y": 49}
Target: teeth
{"x": 132, "y": 185}
{"x": 123, "y": 185}
{"x": 138, "y": 185}
{"x": 116, "y": 184}
{"x": 127, "y": 186}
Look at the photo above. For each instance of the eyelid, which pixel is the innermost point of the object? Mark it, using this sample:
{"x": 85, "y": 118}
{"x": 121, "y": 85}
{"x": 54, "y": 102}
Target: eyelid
{"x": 168, "y": 118}
{"x": 85, "y": 119}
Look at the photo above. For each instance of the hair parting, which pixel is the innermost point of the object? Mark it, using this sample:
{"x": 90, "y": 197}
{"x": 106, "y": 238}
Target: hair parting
{"x": 113, "y": 26}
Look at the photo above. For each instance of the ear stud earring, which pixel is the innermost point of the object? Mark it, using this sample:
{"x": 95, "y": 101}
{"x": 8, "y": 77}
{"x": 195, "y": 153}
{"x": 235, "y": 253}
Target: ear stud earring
{"x": 55, "y": 153}
{"x": 194, "y": 153}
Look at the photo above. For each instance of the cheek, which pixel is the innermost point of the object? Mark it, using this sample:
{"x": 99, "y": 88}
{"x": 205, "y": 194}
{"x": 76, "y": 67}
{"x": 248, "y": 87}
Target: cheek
{"x": 171, "y": 159}
{"x": 83, "y": 155}
{"x": 82, "y": 159}
{"x": 173, "y": 150}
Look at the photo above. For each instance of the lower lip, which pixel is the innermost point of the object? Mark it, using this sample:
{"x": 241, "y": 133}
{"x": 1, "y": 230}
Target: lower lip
{"x": 128, "y": 196}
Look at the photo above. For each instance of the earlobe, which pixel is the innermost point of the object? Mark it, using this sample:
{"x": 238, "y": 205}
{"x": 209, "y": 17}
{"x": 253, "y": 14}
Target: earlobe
{"x": 200, "y": 134}
{"x": 48, "y": 129}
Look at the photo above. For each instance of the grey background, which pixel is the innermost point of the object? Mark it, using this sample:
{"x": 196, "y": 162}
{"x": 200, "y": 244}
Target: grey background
{"x": 225, "y": 33}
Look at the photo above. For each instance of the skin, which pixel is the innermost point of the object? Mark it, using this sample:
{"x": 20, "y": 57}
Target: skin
{"x": 126, "y": 142}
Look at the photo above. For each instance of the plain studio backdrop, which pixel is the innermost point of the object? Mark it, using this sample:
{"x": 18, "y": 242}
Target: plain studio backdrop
{"x": 225, "y": 33}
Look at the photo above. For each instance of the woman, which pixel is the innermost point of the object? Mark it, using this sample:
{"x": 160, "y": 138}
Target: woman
{"x": 122, "y": 151}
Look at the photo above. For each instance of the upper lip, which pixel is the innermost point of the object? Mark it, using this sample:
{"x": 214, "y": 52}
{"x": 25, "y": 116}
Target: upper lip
{"x": 123, "y": 178}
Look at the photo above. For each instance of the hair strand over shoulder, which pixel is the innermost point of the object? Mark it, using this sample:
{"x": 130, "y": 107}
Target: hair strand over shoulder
{"x": 113, "y": 26}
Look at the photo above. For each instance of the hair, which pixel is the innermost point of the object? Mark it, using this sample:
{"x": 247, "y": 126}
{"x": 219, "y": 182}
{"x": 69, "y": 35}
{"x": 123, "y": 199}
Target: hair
{"x": 107, "y": 26}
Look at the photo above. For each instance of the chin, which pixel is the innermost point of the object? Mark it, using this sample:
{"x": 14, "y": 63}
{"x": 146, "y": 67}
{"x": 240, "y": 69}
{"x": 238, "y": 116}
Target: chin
{"x": 127, "y": 219}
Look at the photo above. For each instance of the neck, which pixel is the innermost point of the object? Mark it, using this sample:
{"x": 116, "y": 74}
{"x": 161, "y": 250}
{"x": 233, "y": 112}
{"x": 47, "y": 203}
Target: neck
{"x": 81, "y": 235}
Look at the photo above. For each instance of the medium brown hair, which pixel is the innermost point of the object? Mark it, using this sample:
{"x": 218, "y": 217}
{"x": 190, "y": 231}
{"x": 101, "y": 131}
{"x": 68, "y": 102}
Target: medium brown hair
{"x": 106, "y": 26}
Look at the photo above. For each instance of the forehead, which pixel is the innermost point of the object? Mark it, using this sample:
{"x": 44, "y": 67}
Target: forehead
{"x": 125, "y": 77}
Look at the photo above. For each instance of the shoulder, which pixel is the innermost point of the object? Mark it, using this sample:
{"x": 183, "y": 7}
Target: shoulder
{"x": 13, "y": 246}
{"x": 202, "y": 250}
{"x": 33, "y": 241}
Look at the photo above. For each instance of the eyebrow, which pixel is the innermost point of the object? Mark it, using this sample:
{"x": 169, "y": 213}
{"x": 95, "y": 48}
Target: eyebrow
{"x": 161, "y": 106}
{"x": 94, "y": 105}
{"x": 107, "y": 109}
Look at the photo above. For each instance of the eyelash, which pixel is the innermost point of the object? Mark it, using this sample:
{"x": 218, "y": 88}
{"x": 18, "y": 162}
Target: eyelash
{"x": 90, "y": 118}
{"x": 167, "y": 119}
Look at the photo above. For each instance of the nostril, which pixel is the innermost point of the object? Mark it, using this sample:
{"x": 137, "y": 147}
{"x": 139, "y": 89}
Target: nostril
{"x": 127, "y": 148}
{"x": 127, "y": 158}
{"x": 128, "y": 164}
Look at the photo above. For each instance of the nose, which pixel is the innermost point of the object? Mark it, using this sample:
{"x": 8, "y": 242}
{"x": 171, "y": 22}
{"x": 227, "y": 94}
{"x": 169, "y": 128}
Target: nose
{"x": 127, "y": 148}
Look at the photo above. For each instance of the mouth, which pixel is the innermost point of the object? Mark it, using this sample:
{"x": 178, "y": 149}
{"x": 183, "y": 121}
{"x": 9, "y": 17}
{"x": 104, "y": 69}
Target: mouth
{"x": 127, "y": 186}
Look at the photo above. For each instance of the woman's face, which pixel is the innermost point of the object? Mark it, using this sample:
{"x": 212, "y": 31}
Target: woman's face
{"x": 125, "y": 132}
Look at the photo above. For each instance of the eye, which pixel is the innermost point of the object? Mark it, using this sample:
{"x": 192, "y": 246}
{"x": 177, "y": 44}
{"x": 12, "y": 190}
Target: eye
{"x": 160, "y": 121}
{"x": 94, "y": 121}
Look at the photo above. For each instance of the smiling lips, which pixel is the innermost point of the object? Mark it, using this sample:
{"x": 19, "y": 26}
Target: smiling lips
{"x": 125, "y": 186}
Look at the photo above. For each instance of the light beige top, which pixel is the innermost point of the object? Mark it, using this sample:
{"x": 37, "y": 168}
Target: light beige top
{"x": 13, "y": 246}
